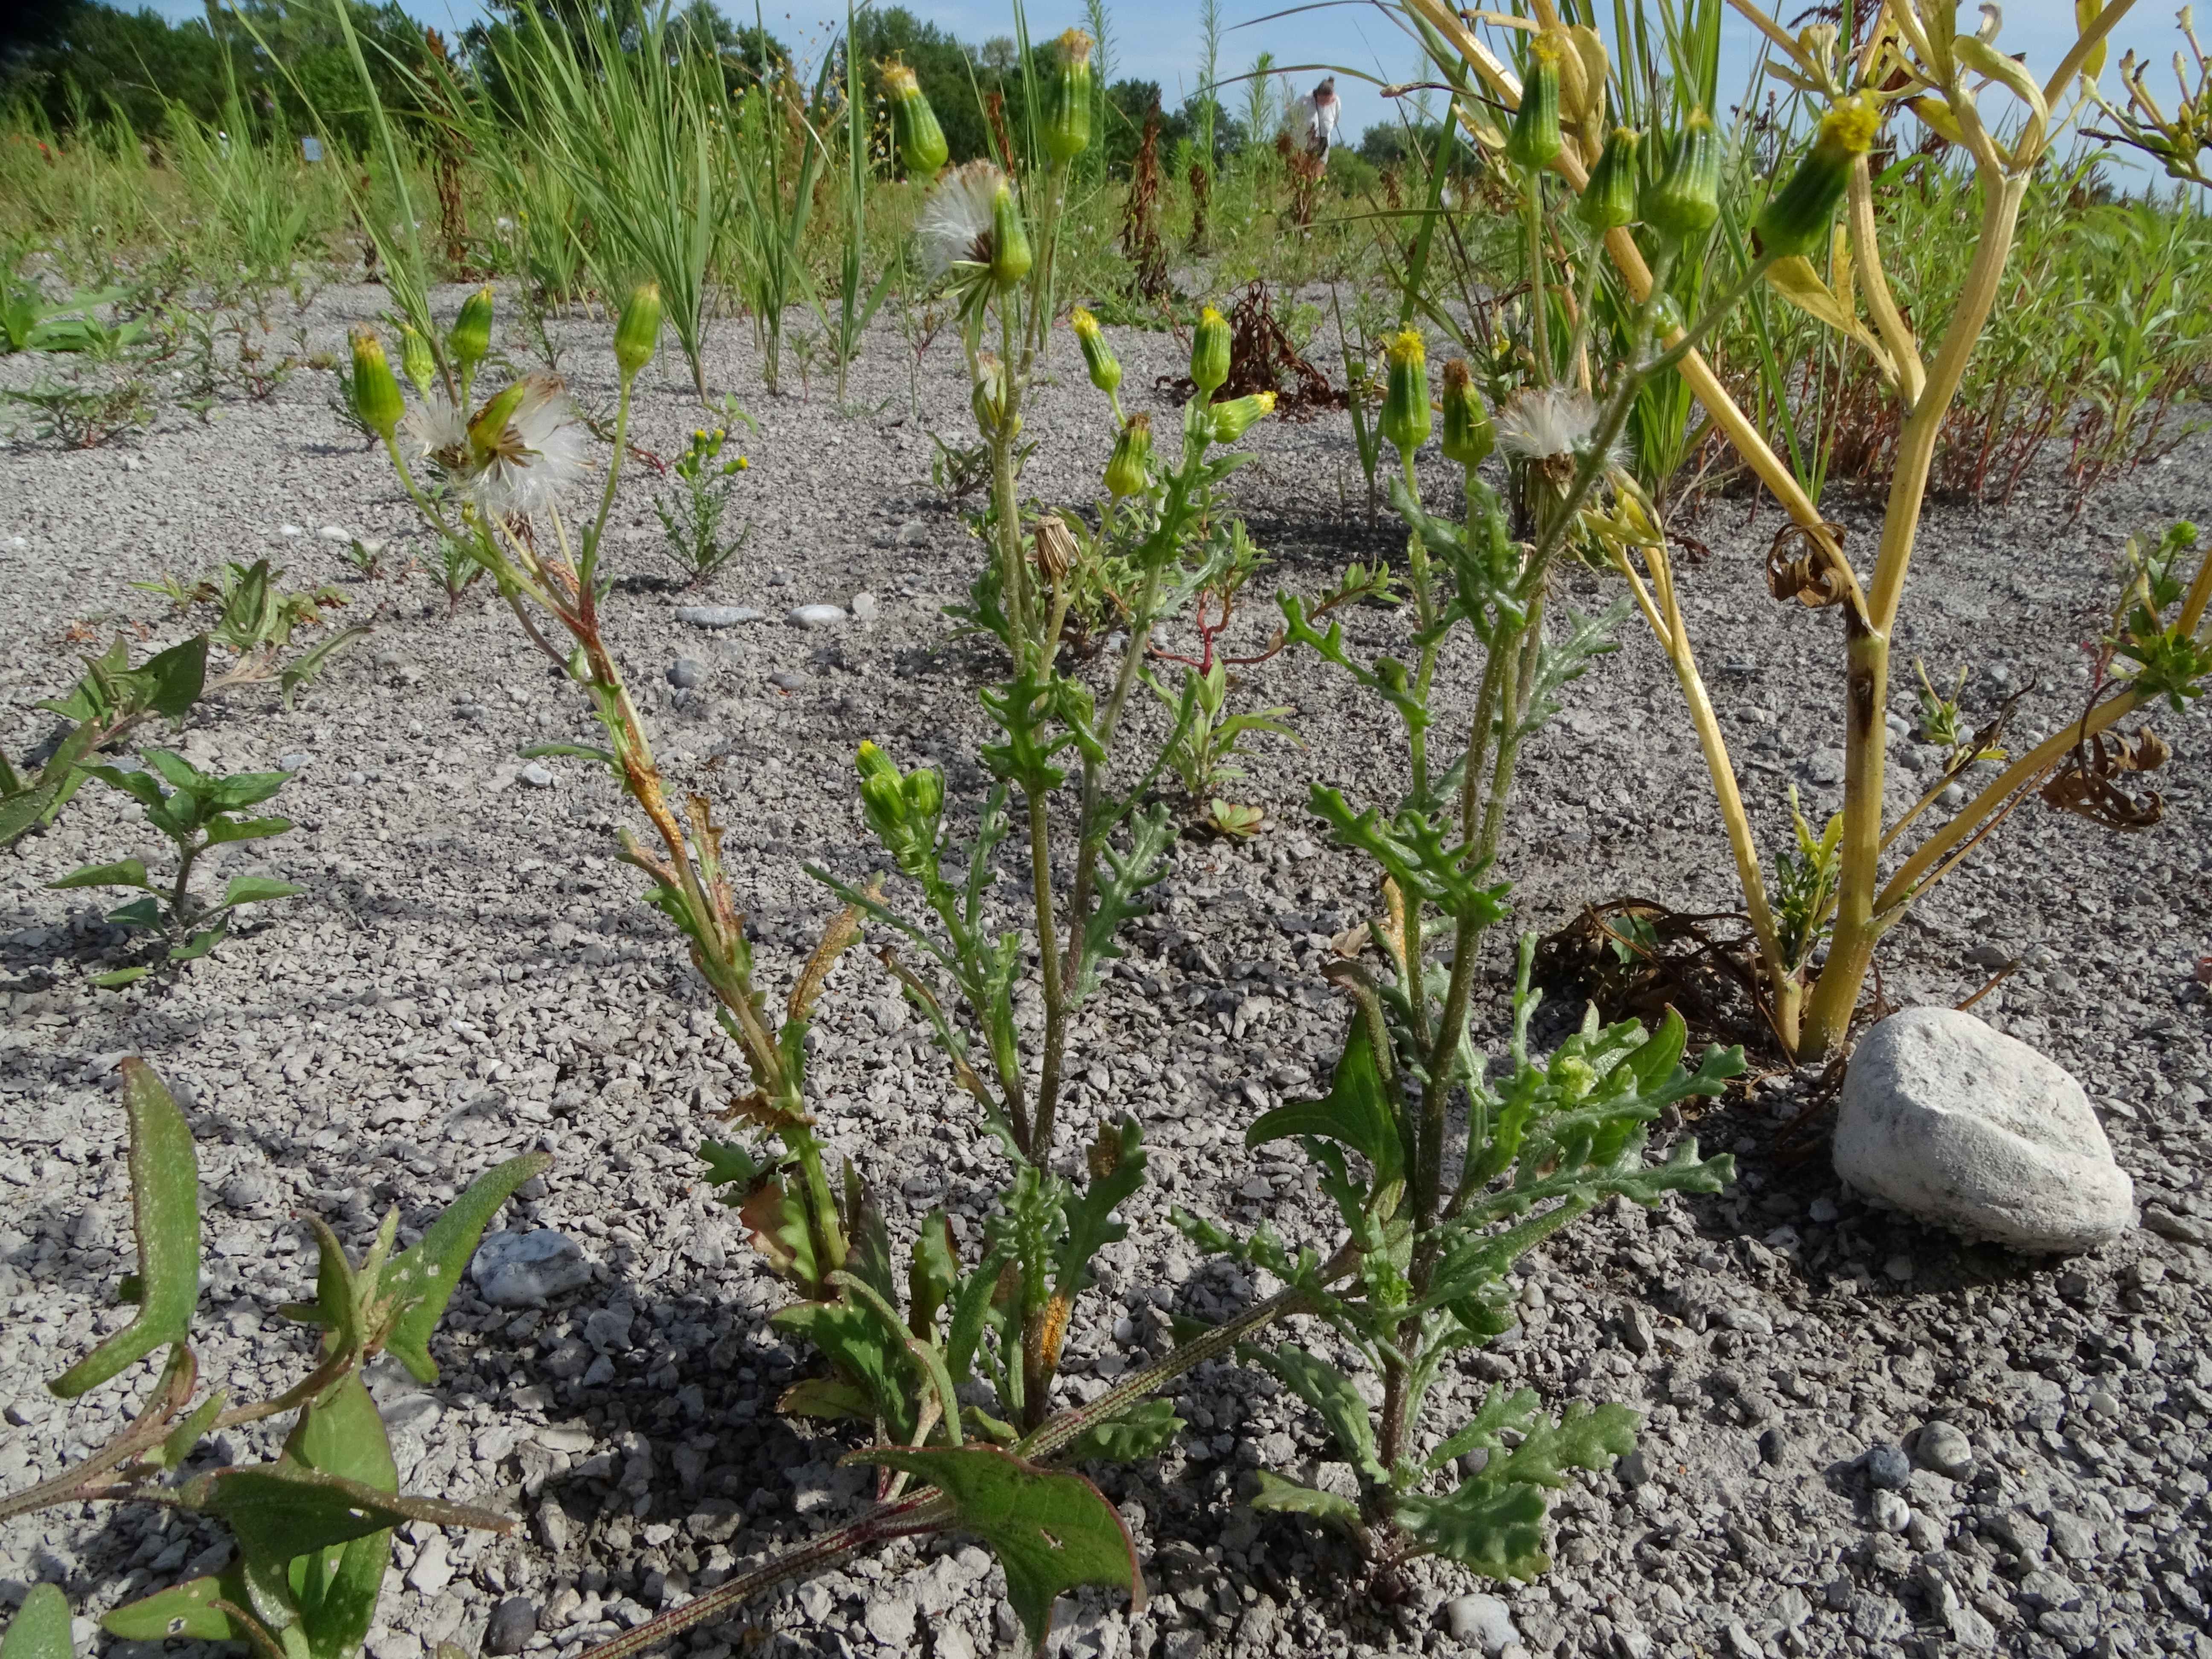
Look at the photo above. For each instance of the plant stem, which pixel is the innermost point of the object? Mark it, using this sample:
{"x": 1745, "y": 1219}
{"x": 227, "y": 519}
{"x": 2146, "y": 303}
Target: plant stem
{"x": 1539, "y": 299}
{"x": 1851, "y": 950}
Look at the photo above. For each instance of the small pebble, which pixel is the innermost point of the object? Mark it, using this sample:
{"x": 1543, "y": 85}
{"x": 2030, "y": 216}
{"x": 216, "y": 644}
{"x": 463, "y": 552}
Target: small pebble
{"x": 1888, "y": 1470}
{"x": 1483, "y": 1621}
{"x": 1945, "y": 1450}
{"x": 528, "y": 1269}
{"x": 535, "y": 775}
{"x": 686, "y": 673}
{"x": 865, "y": 607}
{"x": 717, "y": 615}
{"x": 513, "y": 1622}
{"x": 815, "y": 616}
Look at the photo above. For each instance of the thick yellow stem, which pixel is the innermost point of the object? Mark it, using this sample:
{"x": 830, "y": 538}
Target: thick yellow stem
{"x": 1850, "y": 951}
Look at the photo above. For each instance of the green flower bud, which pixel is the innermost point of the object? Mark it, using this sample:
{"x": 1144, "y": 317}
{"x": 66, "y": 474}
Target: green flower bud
{"x": 882, "y": 799}
{"x": 416, "y": 357}
{"x": 1105, "y": 371}
{"x": 1067, "y": 114}
{"x": 470, "y": 343}
{"x": 1534, "y": 138}
{"x": 1468, "y": 438}
{"x": 925, "y": 792}
{"x": 637, "y": 336}
{"x": 989, "y": 399}
{"x": 490, "y": 425}
{"x": 1233, "y": 419}
{"x": 1126, "y": 472}
{"x": 376, "y": 395}
{"x": 1796, "y": 217}
{"x": 1683, "y": 202}
{"x": 1609, "y": 199}
{"x": 914, "y": 133}
{"x": 1209, "y": 351}
{"x": 1010, "y": 240}
{"x": 1405, "y": 422}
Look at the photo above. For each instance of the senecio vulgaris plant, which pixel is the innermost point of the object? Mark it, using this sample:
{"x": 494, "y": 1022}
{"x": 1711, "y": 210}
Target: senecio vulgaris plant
{"x": 1441, "y": 1178}
{"x": 952, "y": 1362}
{"x": 1830, "y": 893}
{"x": 313, "y": 1525}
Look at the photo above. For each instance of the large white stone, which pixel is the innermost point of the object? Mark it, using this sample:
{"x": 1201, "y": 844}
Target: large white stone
{"x": 1964, "y": 1126}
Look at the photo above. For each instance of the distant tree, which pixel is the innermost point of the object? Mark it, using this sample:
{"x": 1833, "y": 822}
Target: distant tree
{"x": 93, "y": 57}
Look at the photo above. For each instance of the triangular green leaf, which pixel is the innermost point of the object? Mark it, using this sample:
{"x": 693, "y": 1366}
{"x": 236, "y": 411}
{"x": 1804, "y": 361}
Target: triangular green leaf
{"x": 426, "y": 1273}
{"x": 1356, "y": 1111}
{"x": 279, "y": 1510}
{"x": 257, "y": 890}
{"x": 1050, "y": 1530}
{"x": 124, "y": 872}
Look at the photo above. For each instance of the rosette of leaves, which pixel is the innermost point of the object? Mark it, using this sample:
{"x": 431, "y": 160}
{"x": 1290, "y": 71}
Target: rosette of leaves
{"x": 1543, "y": 1147}
{"x": 313, "y": 1525}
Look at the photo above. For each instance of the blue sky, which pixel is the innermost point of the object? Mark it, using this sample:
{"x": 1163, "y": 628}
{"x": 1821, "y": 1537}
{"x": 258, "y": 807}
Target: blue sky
{"x": 1157, "y": 40}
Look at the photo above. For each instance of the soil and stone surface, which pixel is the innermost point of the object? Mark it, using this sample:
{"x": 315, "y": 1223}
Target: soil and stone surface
{"x": 1862, "y": 1436}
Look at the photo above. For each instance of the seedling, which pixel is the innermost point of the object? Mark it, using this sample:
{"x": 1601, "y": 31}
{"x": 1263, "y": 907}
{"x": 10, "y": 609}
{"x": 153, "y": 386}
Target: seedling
{"x": 314, "y": 1525}
{"x": 691, "y": 516}
{"x": 196, "y": 812}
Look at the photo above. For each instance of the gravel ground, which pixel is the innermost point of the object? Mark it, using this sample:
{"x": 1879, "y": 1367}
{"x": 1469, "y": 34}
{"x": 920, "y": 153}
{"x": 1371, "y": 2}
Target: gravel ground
{"x": 471, "y": 975}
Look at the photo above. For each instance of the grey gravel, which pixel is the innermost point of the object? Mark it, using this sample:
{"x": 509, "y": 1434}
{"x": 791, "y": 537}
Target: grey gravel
{"x": 474, "y": 975}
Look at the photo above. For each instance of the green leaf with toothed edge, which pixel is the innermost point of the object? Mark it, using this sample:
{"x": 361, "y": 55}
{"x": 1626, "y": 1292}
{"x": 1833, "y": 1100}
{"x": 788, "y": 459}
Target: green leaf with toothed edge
{"x": 1285, "y": 1497}
{"x": 1051, "y": 1530}
{"x": 1331, "y": 1395}
{"x": 165, "y": 1207}
{"x": 1138, "y": 1433}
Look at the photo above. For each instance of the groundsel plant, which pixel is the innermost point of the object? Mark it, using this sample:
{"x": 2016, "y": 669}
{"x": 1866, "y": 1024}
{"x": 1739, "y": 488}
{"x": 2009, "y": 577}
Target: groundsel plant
{"x": 1441, "y": 1178}
{"x": 500, "y": 490}
{"x": 313, "y": 1524}
{"x": 1913, "y": 60}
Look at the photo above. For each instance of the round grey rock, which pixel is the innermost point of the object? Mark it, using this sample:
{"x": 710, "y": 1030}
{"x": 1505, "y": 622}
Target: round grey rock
{"x": 1887, "y": 1468}
{"x": 513, "y": 1622}
{"x": 528, "y": 1270}
{"x": 865, "y": 607}
{"x": 1485, "y": 1621}
{"x": 535, "y": 775}
{"x": 815, "y": 616}
{"x": 1945, "y": 1450}
{"x": 1947, "y": 1120}
{"x": 687, "y": 673}
{"x": 1891, "y": 1513}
